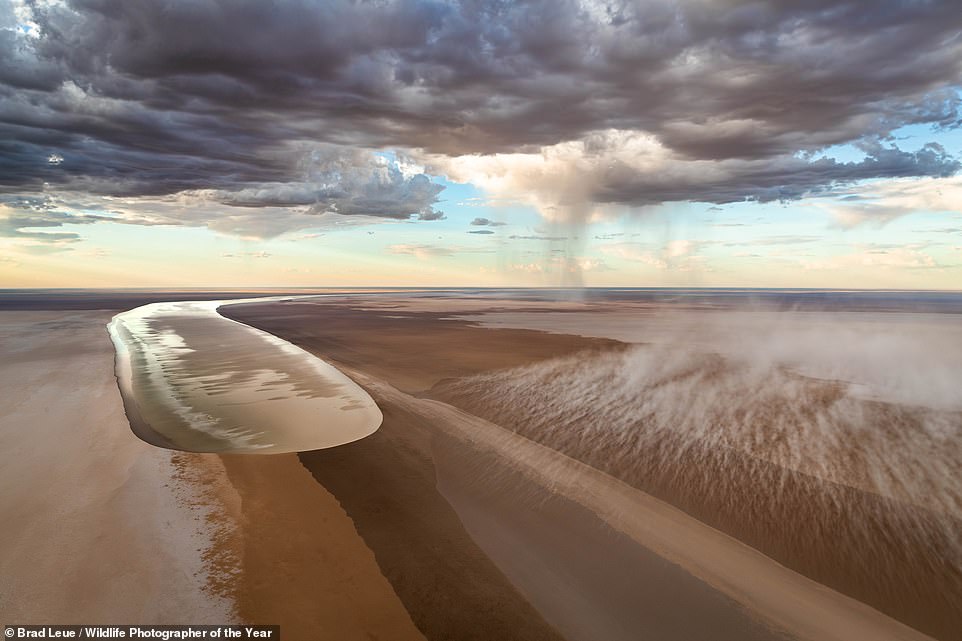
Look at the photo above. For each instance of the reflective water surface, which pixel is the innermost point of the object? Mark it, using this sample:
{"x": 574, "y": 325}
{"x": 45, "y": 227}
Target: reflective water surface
{"x": 194, "y": 380}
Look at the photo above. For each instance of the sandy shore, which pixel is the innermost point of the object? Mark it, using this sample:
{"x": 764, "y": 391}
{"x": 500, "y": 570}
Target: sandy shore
{"x": 98, "y": 527}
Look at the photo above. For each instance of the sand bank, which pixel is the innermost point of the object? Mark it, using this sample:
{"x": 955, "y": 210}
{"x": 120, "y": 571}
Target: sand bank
{"x": 194, "y": 380}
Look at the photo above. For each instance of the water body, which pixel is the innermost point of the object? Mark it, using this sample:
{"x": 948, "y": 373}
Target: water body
{"x": 196, "y": 381}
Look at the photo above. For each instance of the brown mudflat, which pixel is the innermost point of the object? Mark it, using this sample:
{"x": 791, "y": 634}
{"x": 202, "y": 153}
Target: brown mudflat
{"x": 425, "y": 352}
{"x": 303, "y": 566}
{"x": 411, "y": 350}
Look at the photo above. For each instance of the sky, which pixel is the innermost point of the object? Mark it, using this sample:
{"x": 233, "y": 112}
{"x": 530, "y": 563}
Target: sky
{"x": 715, "y": 143}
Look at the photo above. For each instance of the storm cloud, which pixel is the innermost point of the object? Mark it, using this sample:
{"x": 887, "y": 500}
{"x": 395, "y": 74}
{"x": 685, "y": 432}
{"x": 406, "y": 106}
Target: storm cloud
{"x": 290, "y": 104}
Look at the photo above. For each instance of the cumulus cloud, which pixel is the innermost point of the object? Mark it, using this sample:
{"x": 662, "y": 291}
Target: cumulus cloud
{"x": 537, "y": 237}
{"x": 783, "y": 239}
{"x": 426, "y": 251}
{"x": 583, "y": 104}
{"x": 876, "y": 204}
{"x": 186, "y": 209}
{"x": 38, "y": 226}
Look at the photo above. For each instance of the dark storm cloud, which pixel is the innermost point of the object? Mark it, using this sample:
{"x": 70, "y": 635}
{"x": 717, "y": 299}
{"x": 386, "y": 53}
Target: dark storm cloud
{"x": 782, "y": 178}
{"x": 43, "y": 229}
{"x": 347, "y": 182}
{"x": 31, "y": 227}
{"x": 150, "y": 98}
{"x": 39, "y": 220}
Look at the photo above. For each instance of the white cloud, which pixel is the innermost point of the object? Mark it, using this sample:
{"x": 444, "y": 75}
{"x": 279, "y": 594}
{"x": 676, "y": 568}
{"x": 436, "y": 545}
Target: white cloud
{"x": 255, "y": 254}
{"x": 678, "y": 255}
{"x": 678, "y": 248}
{"x": 421, "y": 251}
{"x": 562, "y": 264}
{"x": 880, "y": 202}
{"x": 558, "y": 180}
{"x": 635, "y": 253}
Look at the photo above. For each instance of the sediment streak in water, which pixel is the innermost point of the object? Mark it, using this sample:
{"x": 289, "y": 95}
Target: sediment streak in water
{"x": 194, "y": 380}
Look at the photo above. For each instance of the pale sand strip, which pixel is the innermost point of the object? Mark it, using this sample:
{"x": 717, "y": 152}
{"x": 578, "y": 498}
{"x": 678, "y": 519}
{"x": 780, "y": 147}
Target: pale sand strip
{"x": 783, "y": 598}
{"x": 197, "y": 381}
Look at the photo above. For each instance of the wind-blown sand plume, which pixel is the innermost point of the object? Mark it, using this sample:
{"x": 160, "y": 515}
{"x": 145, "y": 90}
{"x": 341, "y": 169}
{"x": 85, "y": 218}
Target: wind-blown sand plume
{"x": 782, "y": 598}
{"x": 860, "y": 494}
